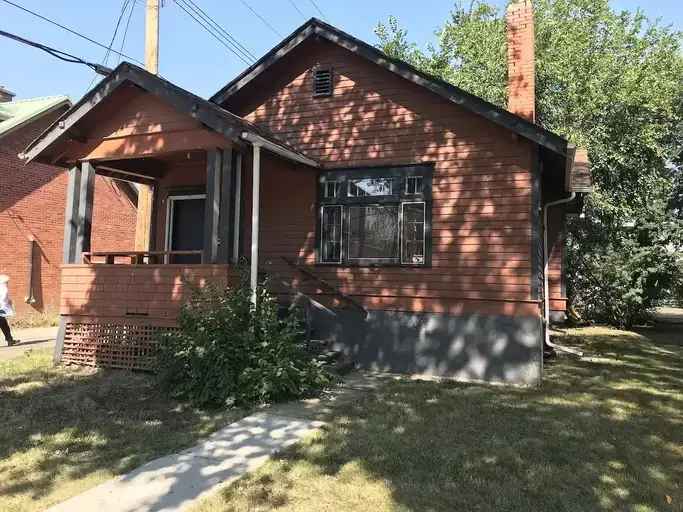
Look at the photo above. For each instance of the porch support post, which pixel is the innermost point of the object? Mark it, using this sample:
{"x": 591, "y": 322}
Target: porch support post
{"x": 71, "y": 222}
{"x": 255, "y": 205}
{"x": 85, "y": 203}
{"x": 71, "y": 215}
{"x": 238, "y": 209}
{"x": 212, "y": 205}
{"x": 224, "y": 219}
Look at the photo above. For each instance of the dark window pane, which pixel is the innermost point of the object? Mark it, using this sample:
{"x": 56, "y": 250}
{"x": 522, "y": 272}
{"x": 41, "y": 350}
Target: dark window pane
{"x": 332, "y": 189}
{"x": 413, "y": 233}
{"x": 414, "y": 185}
{"x": 330, "y": 247}
{"x": 371, "y": 187}
{"x": 373, "y": 232}
{"x": 187, "y": 230}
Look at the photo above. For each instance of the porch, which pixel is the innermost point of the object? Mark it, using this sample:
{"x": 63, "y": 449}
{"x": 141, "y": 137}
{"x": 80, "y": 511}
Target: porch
{"x": 198, "y": 172}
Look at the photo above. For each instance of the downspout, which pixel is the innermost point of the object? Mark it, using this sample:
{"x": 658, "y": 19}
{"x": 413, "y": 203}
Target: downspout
{"x": 546, "y": 291}
{"x": 255, "y": 206}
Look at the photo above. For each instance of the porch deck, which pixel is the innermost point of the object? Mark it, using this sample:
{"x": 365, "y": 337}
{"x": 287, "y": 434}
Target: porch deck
{"x": 113, "y": 313}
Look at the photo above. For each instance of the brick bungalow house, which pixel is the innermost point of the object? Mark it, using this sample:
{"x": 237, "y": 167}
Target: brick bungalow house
{"x": 32, "y": 199}
{"x": 404, "y": 213}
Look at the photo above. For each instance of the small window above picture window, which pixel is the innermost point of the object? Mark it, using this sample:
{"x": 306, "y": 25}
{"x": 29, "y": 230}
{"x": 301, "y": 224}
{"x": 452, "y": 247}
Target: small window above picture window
{"x": 322, "y": 82}
{"x": 331, "y": 189}
{"x": 413, "y": 185}
{"x": 371, "y": 187}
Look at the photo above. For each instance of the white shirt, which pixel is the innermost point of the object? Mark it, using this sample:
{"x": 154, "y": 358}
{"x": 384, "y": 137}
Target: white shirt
{"x": 5, "y": 302}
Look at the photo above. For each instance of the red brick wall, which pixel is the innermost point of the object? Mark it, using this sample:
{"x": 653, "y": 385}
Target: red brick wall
{"x": 521, "y": 59}
{"x": 32, "y": 204}
{"x": 481, "y": 188}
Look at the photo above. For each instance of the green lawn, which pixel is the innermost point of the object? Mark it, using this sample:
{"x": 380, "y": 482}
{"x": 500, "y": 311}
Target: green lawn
{"x": 63, "y": 430}
{"x": 604, "y": 433}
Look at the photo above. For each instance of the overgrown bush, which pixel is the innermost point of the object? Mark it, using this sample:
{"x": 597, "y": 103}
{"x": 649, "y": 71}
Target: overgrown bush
{"x": 229, "y": 351}
{"x": 624, "y": 277}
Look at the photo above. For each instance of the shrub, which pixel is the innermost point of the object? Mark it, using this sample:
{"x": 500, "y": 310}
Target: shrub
{"x": 621, "y": 280}
{"x": 230, "y": 351}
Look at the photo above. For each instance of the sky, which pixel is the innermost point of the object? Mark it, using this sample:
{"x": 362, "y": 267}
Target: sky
{"x": 189, "y": 56}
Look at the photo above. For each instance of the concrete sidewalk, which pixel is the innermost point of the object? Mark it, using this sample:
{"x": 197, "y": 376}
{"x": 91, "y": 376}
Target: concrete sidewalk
{"x": 172, "y": 483}
{"x": 30, "y": 339}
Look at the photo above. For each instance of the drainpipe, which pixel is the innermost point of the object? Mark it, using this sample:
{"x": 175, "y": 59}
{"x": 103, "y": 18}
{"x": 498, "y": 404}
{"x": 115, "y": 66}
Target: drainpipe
{"x": 546, "y": 291}
{"x": 255, "y": 204}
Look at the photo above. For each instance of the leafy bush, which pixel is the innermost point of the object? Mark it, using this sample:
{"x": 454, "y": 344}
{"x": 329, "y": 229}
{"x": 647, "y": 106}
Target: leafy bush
{"x": 624, "y": 277}
{"x": 230, "y": 351}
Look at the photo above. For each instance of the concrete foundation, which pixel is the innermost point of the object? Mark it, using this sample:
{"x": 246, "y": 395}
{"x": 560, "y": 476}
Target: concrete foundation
{"x": 472, "y": 347}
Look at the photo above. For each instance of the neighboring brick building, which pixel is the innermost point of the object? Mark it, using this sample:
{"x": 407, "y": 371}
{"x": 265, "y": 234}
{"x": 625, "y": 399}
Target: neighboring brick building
{"x": 32, "y": 202}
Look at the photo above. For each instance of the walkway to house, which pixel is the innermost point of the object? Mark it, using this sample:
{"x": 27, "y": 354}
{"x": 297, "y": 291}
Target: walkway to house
{"x": 30, "y": 338}
{"x": 173, "y": 482}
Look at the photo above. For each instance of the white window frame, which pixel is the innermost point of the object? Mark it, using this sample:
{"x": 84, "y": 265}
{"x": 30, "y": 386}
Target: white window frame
{"x": 169, "y": 218}
{"x": 341, "y": 233}
{"x": 424, "y": 234}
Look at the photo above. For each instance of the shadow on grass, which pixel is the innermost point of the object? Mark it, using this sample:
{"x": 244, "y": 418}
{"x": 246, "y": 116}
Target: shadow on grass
{"x": 61, "y": 425}
{"x": 604, "y": 433}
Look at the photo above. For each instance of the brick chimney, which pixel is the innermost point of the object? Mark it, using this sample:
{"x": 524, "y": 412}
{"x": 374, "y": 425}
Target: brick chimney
{"x": 5, "y": 95}
{"x": 521, "y": 59}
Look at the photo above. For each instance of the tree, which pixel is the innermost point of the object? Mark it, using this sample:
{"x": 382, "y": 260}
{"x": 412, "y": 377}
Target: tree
{"x": 606, "y": 80}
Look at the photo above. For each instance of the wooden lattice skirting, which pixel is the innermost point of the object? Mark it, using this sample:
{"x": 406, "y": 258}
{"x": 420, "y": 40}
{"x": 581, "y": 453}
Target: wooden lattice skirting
{"x": 112, "y": 344}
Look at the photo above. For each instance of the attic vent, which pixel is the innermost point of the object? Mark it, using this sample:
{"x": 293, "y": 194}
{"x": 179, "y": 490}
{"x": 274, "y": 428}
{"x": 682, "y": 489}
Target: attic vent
{"x": 322, "y": 82}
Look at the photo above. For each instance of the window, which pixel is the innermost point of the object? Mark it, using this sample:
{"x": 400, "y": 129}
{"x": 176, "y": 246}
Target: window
{"x": 375, "y": 216}
{"x": 370, "y": 187}
{"x": 332, "y": 189}
{"x": 413, "y": 185}
{"x": 322, "y": 82}
{"x": 373, "y": 232}
{"x": 331, "y": 238}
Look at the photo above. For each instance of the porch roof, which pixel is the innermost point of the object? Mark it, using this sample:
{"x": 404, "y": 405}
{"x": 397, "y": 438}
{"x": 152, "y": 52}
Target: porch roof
{"x": 45, "y": 148}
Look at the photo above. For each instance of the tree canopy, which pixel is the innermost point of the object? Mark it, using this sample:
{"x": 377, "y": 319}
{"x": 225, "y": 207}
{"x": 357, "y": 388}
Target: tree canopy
{"x": 610, "y": 81}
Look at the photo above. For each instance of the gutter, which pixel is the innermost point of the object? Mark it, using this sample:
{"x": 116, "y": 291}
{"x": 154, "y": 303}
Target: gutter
{"x": 279, "y": 150}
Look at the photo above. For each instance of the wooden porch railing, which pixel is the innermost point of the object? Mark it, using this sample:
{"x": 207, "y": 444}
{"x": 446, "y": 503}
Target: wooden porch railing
{"x": 136, "y": 257}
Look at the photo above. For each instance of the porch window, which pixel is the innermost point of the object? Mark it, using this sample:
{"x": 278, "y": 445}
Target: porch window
{"x": 375, "y": 216}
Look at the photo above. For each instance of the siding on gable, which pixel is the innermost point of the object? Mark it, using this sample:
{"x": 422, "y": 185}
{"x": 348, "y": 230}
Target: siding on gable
{"x": 481, "y": 190}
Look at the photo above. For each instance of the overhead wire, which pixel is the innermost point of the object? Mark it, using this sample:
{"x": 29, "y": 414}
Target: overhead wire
{"x": 245, "y": 57}
{"x": 265, "y": 21}
{"x": 70, "y": 30}
{"x": 315, "y": 5}
{"x": 124, "y": 6}
{"x": 219, "y": 27}
{"x": 298, "y": 10}
{"x": 60, "y": 54}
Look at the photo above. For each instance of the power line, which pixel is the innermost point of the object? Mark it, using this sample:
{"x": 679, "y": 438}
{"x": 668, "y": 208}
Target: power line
{"x": 124, "y": 5}
{"x": 265, "y": 22}
{"x": 221, "y": 39}
{"x": 61, "y": 55}
{"x": 70, "y": 30}
{"x": 243, "y": 49}
{"x": 125, "y": 32}
{"x": 313, "y": 2}
{"x": 298, "y": 10}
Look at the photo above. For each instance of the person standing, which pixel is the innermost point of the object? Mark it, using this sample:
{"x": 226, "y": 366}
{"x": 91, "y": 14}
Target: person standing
{"x": 6, "y": 309}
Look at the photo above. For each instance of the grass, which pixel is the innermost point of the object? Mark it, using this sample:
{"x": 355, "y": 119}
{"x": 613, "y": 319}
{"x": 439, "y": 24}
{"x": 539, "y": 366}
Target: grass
{"x": 603, "y": 433}
{"x": 36, "y": 319}
{"x": 63, "y": 430}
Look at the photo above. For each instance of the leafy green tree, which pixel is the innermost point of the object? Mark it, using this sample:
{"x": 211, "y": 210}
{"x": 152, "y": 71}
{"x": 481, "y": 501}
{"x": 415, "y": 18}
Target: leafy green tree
{"x": 610, "y": 81}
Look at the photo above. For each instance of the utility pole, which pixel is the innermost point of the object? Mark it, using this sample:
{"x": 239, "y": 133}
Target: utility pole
{"x": 145, "y": 192}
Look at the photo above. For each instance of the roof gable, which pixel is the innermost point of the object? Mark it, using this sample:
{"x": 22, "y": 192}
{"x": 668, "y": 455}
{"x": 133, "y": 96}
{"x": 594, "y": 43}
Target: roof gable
{"x": 18, "y": 113}
{"x": 316, "y": 28}
{"x": 207, "y": 113}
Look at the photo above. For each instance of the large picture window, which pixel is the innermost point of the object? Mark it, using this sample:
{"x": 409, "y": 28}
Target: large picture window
{"x": 375, "y": 216}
